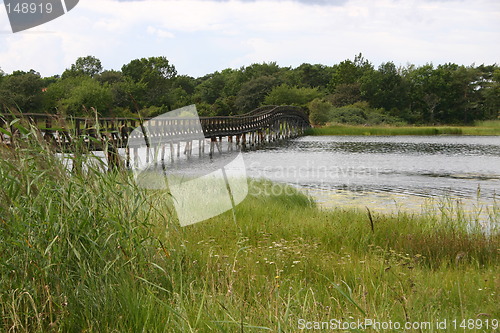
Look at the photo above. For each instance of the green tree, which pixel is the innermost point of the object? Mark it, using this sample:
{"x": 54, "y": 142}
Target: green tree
{"x": 77, "y": 95}
{"x": 182, "y": 91}
{"x": 287, "y": 95}
{"x": 253, "y": 92}
{"x": 89, "y": 94}
{"x": 124, "y": 91}
{"x": 312, "y": 76}
{"x": 463, "y": 95}
{"x": 233, "y": 79}
{"x": 345, "y": 94}
{"x": 361, "y": 113}
{"x": 349, "y": 72}
{"x": 422, "y": 93}
{"x": 210, "y": 89}
{"x": 57, "y": 91}
{"x": 224, "y": 106}
{"x": 490, "y": 92}
{"x": 110, "y": 77}
{"x": 445, "y": 94}
{"x": 187, "y": 83}
{"x": 255, "y": 71}
{"x": 157, "y": 74}
{"x": 449, "y": 91}
{"x": 385, "y": 88}
{"x": 180, "y": 98}
{"x": 319, "y": 111}
{"x": 22, "y": 91}
{"x": 150, "y": 70}
{"x": 88, "y": 66}
{"x": 345, "y": 81}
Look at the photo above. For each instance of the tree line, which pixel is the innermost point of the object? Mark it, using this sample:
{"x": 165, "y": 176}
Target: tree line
{"x": 352, "y": 91}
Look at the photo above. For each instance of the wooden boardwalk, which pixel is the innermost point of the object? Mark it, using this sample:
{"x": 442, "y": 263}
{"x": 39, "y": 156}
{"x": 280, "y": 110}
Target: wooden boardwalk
{"x": 65, "y": 134}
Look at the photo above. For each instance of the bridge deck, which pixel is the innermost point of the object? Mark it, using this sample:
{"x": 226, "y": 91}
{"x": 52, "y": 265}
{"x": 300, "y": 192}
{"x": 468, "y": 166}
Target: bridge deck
{"x": 66, "y": 133}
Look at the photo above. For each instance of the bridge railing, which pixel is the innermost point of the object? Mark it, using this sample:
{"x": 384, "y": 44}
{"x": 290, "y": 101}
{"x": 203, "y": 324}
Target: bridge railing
{"x": 63, "y": 130}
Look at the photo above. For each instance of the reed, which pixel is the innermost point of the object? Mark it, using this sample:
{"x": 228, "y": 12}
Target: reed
{"x": 89, "y": 251}
{"x": 404, "y": 130}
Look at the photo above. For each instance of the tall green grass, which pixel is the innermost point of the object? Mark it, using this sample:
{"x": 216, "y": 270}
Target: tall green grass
{"x": 488, "y": 123}
{"x": 89, "y": 251}
{"x": 483, "y": 129}
{"x": 72, "y": 243}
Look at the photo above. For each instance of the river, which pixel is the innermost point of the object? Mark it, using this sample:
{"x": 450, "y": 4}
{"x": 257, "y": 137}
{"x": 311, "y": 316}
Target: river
{"x": 386, "y": 174}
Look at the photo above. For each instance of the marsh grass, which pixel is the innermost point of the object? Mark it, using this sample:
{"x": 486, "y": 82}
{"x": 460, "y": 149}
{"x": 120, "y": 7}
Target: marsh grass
{"x": 488, "y": 123}
{"x": 486, "y": 128}
{"x": 89, "y": 251}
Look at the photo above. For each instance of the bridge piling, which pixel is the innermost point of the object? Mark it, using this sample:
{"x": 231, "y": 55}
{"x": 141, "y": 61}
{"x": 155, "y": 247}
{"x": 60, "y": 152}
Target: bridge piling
{"x": 212, "y": 140}
{"x": 230, "y": 143}
{"x": 172, "y": 151}
{"x": 163, "y": 148}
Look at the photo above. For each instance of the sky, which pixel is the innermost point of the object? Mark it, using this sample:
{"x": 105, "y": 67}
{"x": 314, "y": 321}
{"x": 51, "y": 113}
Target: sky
{"x": 203, "y": 36}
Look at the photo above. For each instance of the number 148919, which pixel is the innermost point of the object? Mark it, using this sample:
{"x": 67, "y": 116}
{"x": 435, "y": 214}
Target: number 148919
{"x": 475, "y": 324}
{"x": 29, "y": 8}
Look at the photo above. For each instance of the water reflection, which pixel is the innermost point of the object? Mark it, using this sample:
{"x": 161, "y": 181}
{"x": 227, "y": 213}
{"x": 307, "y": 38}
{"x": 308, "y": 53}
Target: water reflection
{"x": 384, "y": 171}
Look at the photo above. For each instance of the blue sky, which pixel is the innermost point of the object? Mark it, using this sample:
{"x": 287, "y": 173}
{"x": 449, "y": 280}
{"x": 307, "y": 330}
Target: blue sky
{"x": 203, "y": 36}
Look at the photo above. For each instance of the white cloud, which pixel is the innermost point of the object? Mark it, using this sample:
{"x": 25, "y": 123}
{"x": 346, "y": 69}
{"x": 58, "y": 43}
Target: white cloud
{"x": 201, "y": 36}
{"x": 159, "y": 32}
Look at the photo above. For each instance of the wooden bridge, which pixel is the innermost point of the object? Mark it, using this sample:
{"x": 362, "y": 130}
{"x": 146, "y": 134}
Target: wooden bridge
{"x": 66, "y": 134}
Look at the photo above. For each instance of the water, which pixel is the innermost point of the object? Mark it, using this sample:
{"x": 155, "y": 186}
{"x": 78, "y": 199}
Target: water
{"x": 385, "y": 173}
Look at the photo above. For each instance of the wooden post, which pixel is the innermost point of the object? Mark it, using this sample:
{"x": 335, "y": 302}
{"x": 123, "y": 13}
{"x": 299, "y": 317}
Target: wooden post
{"x": 188, "y": 149}
{"x": 114, "y": 161}
{"x": 48, "y": 135}
{"x": 127, "y": 154}
{"x": 219, "y": 144}
{"x": 78, "y": 131}
{"x": 230, "y": 143}
{"x": 136, "y": 157}
{"x": 213, "y": 140}
{"x": 155, "y": 154}
{"x": 172, "y": 151}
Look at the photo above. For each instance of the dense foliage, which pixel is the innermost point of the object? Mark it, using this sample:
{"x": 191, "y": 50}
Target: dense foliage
{"x": 353, "y": 91}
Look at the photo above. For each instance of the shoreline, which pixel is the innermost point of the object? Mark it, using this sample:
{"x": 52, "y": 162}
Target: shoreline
{"x": 404, "y": 130}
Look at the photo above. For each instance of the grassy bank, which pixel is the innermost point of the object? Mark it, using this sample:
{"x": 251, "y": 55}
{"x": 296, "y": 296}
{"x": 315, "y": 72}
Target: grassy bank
{"x": 483, "y": 128}
{"x": 91, "y": 252}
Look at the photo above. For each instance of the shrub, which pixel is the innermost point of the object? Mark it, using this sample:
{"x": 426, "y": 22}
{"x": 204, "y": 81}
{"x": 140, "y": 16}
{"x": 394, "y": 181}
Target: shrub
{"x": 361, "y": 113}
{"x": 318, "y": 111}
